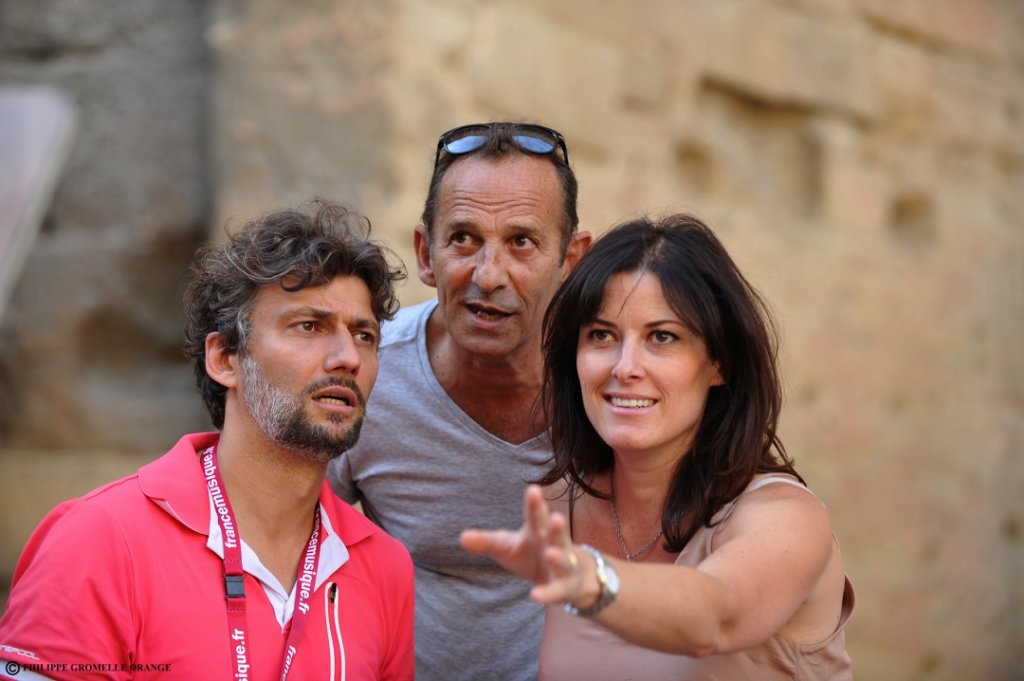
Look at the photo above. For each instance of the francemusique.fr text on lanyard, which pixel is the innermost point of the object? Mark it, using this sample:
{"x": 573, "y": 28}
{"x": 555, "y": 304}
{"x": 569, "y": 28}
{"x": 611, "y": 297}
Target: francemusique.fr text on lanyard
{"x": 234, "y": 576}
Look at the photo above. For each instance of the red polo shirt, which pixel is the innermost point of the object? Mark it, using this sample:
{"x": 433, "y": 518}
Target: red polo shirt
{"x": 121, "y": 584}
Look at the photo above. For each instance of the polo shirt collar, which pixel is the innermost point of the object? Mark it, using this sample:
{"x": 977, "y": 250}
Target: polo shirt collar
{"x": 175, "y": 482}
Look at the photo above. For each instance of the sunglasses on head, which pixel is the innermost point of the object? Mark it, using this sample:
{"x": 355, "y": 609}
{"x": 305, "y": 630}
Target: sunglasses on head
{"x": 533, "y": 139}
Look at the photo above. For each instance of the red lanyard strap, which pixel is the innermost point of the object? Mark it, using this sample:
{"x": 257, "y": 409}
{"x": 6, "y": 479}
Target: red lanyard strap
{"x": 234, "y": 576}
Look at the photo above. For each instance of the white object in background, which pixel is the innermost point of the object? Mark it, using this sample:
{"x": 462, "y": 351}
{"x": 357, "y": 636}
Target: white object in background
{"x": 37, "y": 126}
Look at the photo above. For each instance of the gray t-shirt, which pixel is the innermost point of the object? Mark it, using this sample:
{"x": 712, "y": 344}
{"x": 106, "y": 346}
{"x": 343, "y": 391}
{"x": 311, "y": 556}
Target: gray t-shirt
{"x": 424, "y": 471}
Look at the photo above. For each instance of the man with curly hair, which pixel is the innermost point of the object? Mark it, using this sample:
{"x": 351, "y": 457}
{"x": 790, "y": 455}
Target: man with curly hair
{"x": 229, "y": 556}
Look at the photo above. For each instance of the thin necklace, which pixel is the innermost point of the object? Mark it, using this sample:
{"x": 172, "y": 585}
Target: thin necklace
{"x": 638, "y": 555}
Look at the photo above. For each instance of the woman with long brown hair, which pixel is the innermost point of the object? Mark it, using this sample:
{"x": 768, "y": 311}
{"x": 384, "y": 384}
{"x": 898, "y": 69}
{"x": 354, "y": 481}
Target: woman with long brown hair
{"x": 673, "y": 538}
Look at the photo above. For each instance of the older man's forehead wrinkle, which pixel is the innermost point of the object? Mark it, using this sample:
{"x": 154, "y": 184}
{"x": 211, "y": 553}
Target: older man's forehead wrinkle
{"x": 468, "y": 208}
{"x": 492, "y": 200}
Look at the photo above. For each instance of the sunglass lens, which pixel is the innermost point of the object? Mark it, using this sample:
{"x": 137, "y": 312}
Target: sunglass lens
{"x": 464, "y": 145}
{"x": 535, "y": 145}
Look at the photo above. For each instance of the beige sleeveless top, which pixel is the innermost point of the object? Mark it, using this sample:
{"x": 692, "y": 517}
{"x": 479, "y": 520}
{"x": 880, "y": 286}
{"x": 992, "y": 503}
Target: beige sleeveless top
{"x": 578, "y": 648}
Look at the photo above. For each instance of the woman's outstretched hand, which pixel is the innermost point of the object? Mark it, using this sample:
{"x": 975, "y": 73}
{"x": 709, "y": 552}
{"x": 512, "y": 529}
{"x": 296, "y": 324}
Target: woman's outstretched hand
{"x": 541, "y": 551}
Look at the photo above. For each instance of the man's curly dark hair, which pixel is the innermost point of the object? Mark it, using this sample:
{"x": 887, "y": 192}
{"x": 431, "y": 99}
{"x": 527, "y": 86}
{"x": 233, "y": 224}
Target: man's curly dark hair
{"x": 289, "y": 248}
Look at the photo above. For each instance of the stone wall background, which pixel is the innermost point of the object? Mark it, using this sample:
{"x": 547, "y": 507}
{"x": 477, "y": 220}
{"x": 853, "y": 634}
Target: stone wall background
{"x": 92, "y": 379}
{"x": 862, "y": 159}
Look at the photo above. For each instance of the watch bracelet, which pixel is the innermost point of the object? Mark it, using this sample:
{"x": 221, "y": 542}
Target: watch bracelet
{"x": 605, "y": 597}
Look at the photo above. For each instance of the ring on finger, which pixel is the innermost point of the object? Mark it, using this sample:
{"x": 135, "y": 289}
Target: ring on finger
{"x": 574, "y": 562}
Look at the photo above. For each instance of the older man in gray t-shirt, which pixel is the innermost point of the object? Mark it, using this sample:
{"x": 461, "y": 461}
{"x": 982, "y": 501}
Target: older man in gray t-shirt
{"x": 453, "y": 430}
{"x": 425, "y": 471}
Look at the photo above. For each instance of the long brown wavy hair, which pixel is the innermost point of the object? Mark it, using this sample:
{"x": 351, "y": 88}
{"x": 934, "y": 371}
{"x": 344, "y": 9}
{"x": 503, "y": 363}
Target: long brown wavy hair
{"x": 736, "y": 437}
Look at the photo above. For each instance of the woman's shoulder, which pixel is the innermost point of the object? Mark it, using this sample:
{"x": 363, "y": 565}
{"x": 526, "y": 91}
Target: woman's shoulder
{"x": 762, "y": 480}
{"x": 778, "y": 491}
{"x": 776, "y": 501}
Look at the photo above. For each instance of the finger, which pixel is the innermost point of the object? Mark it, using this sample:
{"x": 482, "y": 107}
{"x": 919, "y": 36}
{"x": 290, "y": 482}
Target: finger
{"x": 558, "y": 532}
{"x": 555, "y": 591}
{"x": 535, "y": 511}
{"x": 572, "y": 562}
{"x": 563, "y": 563}
{"x": 488, "y": 542}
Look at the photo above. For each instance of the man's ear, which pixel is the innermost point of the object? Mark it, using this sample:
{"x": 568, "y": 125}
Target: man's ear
{"x": 221, "y": 365}
{"x": 579, "y": 244}
{"x": 424, "y": 268}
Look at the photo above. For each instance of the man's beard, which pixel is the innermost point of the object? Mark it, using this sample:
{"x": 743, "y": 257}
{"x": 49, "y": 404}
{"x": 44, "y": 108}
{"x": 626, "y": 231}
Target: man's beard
{"x": 281, "y": 417}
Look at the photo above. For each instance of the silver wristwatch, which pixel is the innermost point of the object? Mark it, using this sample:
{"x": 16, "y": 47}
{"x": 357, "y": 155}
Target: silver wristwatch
{"x": 607, "y": 579}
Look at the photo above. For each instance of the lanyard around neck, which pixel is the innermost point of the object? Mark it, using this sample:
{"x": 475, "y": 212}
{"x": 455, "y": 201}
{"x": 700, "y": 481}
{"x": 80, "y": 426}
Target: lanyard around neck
{"x": 234, "y": 576}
